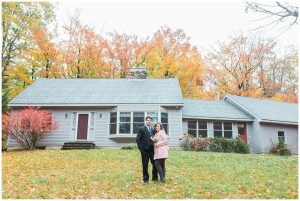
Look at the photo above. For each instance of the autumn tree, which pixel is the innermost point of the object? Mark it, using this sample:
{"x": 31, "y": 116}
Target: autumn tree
{"x": 28, "y": 126}
{"x": 172, "y": 56}
{"x": 251, "y": 66}
{"x": 19, "y": 20}
{"x": 234, "y": 66}
{"x": 280, "y": 79}
{"x": 43, "y": 58}
{"x": 84, "y": 51}
{"x": 126, "y": 51}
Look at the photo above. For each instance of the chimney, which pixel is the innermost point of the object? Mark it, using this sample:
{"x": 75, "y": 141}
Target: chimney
{"x": 137, "y": 73}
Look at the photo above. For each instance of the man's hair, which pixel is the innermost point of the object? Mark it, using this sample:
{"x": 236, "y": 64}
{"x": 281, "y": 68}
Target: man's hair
{"x": 148, "y": 117}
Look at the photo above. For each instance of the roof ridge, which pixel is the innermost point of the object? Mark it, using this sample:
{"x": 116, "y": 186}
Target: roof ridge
{"x": 261, "y": 99}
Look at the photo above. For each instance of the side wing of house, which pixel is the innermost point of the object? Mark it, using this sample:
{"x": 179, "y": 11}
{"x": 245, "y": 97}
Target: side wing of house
{"x": 272, "y": 120}
{"x": 272, "y": 132}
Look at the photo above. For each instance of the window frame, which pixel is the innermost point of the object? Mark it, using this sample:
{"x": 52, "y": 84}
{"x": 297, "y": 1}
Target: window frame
{"x": 146, "y": 112}
{"x": 284, "y": 136}
{"x": 130, "y": 123}
{"x": 223, "y": 128}
{"x": 198, "y": 128}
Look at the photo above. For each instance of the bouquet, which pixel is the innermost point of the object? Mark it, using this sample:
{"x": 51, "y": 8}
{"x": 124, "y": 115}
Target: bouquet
{"x": 153, "y": 139}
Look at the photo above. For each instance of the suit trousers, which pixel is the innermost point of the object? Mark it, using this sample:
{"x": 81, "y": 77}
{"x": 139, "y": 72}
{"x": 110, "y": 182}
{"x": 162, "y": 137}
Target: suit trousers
{"x": 148, "y": 154}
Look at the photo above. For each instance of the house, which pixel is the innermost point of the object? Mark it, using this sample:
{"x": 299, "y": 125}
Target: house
{"x": 107, "y": 112}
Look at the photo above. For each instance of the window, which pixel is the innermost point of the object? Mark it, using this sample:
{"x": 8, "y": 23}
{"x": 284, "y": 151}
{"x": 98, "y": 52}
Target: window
{"x": 129, "y": 122}
{"x": 227, "y": 130}
{"x": 113, "y": 123}
{"x": 197, "y": 128}
{"x": 241, "y": 128}
{"x": 202, "y": 127}
{"x": 223, "y": 129}
{"x": 138, "y": 120}
{"x": 154, "y": 116}
{"x": 125, "y": 123}
{"x": 281, "y": 135}
{"x": 164, "y": 121}
{"x": 217, "y": 129}
{"x": 192, "y": 128}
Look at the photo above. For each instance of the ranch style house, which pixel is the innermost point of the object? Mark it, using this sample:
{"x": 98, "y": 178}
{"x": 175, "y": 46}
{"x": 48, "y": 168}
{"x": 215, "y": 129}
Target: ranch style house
{"x": 107, "y": 112}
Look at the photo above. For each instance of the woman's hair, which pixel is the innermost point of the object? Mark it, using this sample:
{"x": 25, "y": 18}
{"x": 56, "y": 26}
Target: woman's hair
{"x": 161, "y": 126}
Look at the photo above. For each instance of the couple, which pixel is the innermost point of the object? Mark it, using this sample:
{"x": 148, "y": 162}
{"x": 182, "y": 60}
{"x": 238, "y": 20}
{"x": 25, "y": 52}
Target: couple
{"x": 153, "y": 145}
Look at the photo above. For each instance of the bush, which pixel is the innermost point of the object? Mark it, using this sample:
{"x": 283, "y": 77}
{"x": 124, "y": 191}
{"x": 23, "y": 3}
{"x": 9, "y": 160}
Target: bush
{"x": 186, "y": 142}
{"x": 241, "y": 147}
{"x": 4, "y": 141}
{"x": 280, "y": 148}
{"x": 218, "y": 144}
{"x": 201, "y": 144}
{"x": 129, "y": 146}
{"x": 28, "y": 126}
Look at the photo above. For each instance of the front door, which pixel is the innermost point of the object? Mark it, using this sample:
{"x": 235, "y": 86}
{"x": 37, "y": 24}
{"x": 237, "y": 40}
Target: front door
{"x": 242, "y": 131}
{"x": 82, "y": 130}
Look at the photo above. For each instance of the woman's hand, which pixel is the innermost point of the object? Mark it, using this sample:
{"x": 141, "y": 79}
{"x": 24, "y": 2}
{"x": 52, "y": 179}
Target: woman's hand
{"x": 153, "y": 139}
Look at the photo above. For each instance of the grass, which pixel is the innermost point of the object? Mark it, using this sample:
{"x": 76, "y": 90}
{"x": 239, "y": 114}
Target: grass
{"x": 113, "y": 173}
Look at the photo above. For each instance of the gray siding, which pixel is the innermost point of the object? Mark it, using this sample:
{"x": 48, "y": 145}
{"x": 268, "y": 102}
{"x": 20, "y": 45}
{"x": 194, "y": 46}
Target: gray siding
{"x": 269, "y": 132}
{"x": 249, "y": 131}
{"x": 175, "y": 126}
{"x": 256, "y": 137}
{"x": 98, "y": 128}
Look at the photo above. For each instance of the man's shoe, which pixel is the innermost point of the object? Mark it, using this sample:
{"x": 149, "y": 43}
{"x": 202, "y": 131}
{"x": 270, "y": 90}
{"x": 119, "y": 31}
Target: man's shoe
{"x": 145, "y": 182}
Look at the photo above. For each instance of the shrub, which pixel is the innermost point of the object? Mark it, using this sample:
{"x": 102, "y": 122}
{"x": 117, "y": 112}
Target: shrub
{"x": 218, "y": 144}
{"x": 28, "y": 126}
{"x": 280, "y": 148}
{"x": 129, "y": 146}
{"x": 201, "y": 144}
{"x": 241, "y": 147}
{"x": 4, "y": 141}
{"x": 186, "y": 142}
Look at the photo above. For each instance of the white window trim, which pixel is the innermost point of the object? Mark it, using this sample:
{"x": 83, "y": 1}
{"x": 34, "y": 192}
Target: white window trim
{"x": 125, "y": 134}
{"x": 168, "y": 134}
{"x": 114, "y": 123}
{"x": 131, "y": 121}
{"x": 222, "y": 122}
{"x": 284, "y": 132}
{"x": 88, "y": 127}
{"x": 197, "y": 127}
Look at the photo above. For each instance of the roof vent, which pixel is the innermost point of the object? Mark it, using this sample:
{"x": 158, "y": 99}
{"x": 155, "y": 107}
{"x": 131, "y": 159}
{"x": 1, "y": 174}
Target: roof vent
{"x": 137, "y": 73}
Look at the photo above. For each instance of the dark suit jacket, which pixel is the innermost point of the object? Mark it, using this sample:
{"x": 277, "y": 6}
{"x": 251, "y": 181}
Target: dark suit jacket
{"x": 143, "y": 138}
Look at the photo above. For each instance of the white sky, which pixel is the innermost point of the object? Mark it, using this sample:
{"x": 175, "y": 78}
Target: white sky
{"x": 204, "y": 21}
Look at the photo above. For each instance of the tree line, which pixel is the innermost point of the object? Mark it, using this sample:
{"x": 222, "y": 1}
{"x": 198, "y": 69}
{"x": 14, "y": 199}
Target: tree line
{"x": 245, "y": 65}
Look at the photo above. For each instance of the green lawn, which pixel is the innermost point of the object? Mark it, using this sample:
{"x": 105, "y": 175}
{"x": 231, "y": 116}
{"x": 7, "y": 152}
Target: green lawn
{"x": 114, "y": 173}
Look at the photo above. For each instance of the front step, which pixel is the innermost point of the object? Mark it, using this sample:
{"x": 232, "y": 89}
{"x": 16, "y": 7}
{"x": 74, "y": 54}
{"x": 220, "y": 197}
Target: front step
{"x": 78, "y": 145}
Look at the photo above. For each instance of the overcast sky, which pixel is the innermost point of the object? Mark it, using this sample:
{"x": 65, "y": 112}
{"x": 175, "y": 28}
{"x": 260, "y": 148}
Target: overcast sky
{"x": 204, "y": 21}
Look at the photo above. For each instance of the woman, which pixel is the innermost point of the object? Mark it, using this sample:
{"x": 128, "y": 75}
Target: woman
{"x": 160, "y": 150}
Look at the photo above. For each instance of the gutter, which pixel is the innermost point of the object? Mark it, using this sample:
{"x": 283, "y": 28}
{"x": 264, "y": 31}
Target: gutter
{"x": 216, "y": 118}
{"x": 88, "y": 104}
{"x": 278, "y": 122}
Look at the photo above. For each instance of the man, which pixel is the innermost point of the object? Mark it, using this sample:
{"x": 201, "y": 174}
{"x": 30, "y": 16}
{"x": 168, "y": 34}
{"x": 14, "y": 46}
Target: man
{"x": 146, "y": 148}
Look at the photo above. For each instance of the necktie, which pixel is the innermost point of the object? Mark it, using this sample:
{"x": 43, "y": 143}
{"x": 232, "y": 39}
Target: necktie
{"x": 149, "y": 129}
